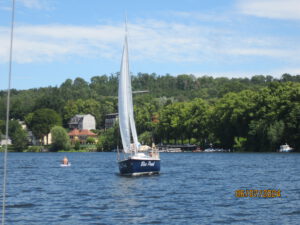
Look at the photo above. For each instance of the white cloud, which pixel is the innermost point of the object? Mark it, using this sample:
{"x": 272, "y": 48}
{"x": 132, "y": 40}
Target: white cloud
{"x": 55, "y": 42}
{"x": 34, "y": 4}
{"x": 290, "y": 70}
{"x": 28, "y": 4}
{"x": 276, "y": 73}
{"x": 201, "y": 17}
{"x": 259, "y": 52}
{"x": 278, "y": 9}
{"x": 149, "y": 40}
{"x": 233, "y": 74}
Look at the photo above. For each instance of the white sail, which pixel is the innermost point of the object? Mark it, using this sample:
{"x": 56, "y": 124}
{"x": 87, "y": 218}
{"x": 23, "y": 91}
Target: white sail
{"x": 125, "y": 104}
{"x": 123, "y": 100}
{"x": 131, "y": 117}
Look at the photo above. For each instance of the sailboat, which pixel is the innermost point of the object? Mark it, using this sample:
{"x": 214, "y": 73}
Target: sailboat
{"x": 137, "y": 159}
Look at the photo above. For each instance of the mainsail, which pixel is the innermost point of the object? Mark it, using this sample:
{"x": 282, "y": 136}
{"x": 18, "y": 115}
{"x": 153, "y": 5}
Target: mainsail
{"x": 125, "y": 104}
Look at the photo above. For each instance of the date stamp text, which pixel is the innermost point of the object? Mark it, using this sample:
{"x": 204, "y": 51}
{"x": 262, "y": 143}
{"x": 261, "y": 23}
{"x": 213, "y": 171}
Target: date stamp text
{"x": 251, "y": 193}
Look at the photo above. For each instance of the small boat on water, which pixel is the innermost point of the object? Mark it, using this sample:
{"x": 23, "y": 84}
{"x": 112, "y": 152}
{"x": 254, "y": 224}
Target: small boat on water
{"x": 285, "y": 148}
{"x": 136, "y": 159}
{"x": 216, "y": 150}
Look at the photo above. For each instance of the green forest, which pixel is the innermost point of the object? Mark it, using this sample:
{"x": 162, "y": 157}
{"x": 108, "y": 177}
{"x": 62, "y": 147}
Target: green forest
{"x": 243, "y": 114}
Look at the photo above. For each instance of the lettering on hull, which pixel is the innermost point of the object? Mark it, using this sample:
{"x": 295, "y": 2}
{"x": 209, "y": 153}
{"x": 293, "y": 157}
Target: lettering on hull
{"x": 149, "y": 163}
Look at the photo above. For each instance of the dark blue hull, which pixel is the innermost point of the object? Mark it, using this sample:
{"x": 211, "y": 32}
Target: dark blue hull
{"x": 134, "y": 167}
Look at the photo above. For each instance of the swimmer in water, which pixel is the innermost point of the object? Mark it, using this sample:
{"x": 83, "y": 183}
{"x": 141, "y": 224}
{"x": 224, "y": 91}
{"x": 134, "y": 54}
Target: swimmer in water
{"x": 65, "y": 161}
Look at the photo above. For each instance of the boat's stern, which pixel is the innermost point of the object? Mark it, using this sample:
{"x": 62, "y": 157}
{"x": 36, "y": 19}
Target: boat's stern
{"x": 134, "y": 167}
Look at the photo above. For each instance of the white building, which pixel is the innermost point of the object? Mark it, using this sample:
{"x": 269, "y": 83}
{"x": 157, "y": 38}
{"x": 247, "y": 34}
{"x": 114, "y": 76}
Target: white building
{"x": 83, "y": 122}
{"x": 3, "y": 140}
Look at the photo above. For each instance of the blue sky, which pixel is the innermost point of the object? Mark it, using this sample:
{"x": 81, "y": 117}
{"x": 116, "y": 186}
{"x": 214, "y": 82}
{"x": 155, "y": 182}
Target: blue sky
{"x": 60, "y": 39}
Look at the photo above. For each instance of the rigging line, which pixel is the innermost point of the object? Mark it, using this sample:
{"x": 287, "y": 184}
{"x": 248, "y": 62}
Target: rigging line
{"x": 7, "y": 112}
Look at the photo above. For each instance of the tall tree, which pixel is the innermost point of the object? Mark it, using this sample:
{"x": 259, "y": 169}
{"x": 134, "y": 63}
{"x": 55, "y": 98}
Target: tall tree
{"x": 42, "y": 122}
{"x": 17, "y": 134}
{"x": 197, "y": 125}
{"x": 60, "y": 139}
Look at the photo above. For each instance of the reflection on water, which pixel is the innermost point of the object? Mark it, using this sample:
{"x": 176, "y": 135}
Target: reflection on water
{"x": 193, "y": 188}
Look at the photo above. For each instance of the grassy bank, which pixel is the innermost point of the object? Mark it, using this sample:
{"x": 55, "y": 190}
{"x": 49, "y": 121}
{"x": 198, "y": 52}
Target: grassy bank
{"x": 47, "y": 148}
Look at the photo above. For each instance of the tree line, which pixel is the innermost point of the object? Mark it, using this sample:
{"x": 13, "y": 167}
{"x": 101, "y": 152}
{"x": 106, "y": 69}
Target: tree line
{"x": 246, "y": 114}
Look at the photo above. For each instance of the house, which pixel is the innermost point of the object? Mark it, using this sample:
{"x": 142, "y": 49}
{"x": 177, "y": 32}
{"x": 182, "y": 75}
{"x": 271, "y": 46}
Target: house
{"x": 110, "y": 120}
{"x": 23, "y": 125}
{"x": 80, "y": 135}
{"x": 32, "y": 139}
{"x": 83, "y": 122}
{"x": 47, "y": 139}
{"x": 3, "y": 140}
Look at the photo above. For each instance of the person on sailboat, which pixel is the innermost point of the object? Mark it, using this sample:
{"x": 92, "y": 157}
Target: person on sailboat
{"x": 65, "y": 161}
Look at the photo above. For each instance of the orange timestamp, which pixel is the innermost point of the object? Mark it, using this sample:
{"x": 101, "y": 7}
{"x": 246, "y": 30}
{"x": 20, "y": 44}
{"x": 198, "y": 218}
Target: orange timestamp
{"x": 257, "y": 193}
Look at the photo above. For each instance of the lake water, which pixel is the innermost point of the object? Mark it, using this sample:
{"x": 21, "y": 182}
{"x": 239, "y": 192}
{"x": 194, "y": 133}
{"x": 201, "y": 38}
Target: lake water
{"x": 193, "y": 188}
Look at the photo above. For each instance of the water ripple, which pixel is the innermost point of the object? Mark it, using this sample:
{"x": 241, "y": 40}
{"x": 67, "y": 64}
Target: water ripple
{"x": 21, "y": 205}
{"x": 192, "y": 189}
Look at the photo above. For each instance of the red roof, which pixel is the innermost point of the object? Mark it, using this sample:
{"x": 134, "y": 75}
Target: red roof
{"x": 87, "y": 133}
{"x": 77, "y": 132}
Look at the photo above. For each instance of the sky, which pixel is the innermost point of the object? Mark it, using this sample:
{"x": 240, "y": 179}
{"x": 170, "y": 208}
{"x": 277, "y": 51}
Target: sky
{"x": 55, "y": 40}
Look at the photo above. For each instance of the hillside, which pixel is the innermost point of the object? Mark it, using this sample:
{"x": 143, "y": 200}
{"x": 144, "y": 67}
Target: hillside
{"x": 232, "y": 113}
